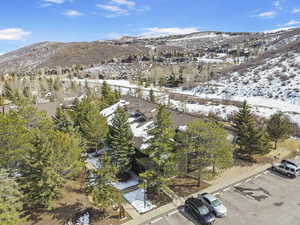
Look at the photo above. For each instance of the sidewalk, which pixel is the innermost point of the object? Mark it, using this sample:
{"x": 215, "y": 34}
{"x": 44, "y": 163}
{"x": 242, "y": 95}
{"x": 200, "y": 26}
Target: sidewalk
{"x": 217, "y": 186}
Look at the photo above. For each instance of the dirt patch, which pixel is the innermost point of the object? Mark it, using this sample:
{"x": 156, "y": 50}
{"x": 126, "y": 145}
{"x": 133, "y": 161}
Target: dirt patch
{"x": 185, "y": 186}
{"x": 159, "y": 200}
{"x": 73, "y": 202}
{"x": 285, "y": 149}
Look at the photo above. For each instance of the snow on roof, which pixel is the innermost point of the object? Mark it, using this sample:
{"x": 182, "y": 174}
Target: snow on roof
{"x": 111, "y": 110}
{"x": 142, "y": 131}
{"x": 138, "y": 129}
{"x": 136, "y": 199}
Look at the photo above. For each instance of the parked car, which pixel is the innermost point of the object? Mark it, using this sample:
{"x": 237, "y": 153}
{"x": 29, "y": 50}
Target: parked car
{"x": 213, "y": 204}
{"x": 286, "y": 169}
{"x": 199, "y": 211}
{"x": 291, "y": 162}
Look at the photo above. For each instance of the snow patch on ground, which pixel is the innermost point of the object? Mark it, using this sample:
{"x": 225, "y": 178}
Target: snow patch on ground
{"x": 269, "y": 87}
{"x": 133, "y": 181}
{"x": 225, "y": 111}
{"x": 83, "y": 220}
{"x": 207, "y": 60}
{"x": 136, "y": 199}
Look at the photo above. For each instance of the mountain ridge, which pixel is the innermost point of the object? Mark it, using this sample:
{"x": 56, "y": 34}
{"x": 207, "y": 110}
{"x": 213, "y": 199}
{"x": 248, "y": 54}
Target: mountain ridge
{"x": 59, "y": 54}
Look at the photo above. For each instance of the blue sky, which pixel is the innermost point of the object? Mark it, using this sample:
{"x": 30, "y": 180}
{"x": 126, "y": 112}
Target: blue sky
{"x": 23, "y": 22}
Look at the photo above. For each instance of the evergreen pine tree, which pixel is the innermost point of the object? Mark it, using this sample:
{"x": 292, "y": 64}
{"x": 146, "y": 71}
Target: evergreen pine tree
{"x": 108, "y": 96}
{"x": 26, "y": 92}
{"x": 40, "y": 182}
{"x": 279, "y": 128}
{"x": 14, "y": 140}
{"x": 103, "y": 193}
{"x": 61, "y": 121}
{"x": 161, "y": 150}
{"x": 10, "y": 200}
{"x": 121, "y": 141}
{"x": 250, "y": 140}
{"x": 151, "y": 95}
{"x": 95, "y": 128}
{"x": 79, "y": 111}
{"x": 221, "y": 149}
{"x": 244, "y": 117}
{"x": 8, "y": 91}
{"x": 161, "y": 145}
{"x": 2, "y": 104}
{"x": 207, "y": 144}
{"x": 105, "y": 89}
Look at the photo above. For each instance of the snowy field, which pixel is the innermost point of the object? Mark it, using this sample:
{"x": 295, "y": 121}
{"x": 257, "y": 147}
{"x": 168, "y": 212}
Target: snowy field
{"x": 224, "y": 111}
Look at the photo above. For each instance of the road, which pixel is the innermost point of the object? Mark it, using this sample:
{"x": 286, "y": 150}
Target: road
{"x": 266, "y": 199}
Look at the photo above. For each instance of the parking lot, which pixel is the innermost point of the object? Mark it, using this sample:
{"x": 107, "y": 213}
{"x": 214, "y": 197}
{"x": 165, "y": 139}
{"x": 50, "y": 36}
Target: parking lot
{"x": 267, "y": 199}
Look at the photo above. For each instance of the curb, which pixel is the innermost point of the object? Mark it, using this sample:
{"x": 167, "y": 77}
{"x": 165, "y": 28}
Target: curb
{"x": 169, "y": 208}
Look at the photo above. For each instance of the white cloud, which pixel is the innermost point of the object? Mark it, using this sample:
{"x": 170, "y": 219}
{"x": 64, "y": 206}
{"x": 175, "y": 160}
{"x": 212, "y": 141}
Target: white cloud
{"x": 290, "y": 23}
{"x": 45, "y": 5}
{"x": 268, "y": 14}
{"x": 115, "y": 10}
{"x": 297, "y": 10}
{"x": 72, "y": 13}
{"x": 55, "y": 1}
{"x": 122, "y": 8}
{"x": 277, "y": 5}
{"x": 156, "y": 31}
{"x": 124, "y": 2}
{"x": 111, "y": 8}
{"x": 13, "y": 34}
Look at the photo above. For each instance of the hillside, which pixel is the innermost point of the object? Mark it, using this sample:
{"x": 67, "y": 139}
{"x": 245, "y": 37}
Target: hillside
{"x": 270, "y": 83}
{"x": 54, "y": 54}
{"x": 276, "y": 76}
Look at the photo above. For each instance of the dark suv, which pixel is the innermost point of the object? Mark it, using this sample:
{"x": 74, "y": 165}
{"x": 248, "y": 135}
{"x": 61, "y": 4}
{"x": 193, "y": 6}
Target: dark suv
{"x": 199, "y": 211}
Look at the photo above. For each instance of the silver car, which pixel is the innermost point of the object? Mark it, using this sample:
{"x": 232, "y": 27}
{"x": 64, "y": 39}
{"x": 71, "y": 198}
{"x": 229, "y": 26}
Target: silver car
{"x": 214, "y": 204}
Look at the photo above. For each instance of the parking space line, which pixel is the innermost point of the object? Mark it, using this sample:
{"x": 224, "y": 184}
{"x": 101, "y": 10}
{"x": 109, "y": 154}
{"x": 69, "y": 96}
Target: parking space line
{"x": 246, "y": 181}
{"x": 214, "y": 194}
{"x": 238, "y": 184}
{"x": 156, "y": 220}
{"x": 226, "y": 189}
{"x": 257, "y": 176}
{"x": 172, "y": 213}
{"x": 266, "y": 172}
